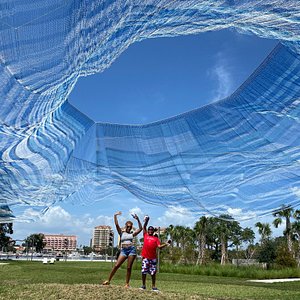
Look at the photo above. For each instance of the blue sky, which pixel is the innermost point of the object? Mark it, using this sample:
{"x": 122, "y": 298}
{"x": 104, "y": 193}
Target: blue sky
{"x": 158, "y": 78}
{"x": 152, "y": 80}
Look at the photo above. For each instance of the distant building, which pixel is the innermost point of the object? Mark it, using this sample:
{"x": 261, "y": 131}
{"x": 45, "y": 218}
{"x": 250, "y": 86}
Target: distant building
{"x": 60, "y": 242}
{"x": 101, "y": 236}
{"x": 19, "y": 248}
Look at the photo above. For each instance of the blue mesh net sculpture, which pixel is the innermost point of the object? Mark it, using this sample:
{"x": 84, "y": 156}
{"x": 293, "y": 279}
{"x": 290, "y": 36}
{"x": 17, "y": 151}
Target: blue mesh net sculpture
{"x": 241, "y": 152}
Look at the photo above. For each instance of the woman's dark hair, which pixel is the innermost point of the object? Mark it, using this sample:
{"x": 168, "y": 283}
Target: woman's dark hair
{"x": 129, "y": 222}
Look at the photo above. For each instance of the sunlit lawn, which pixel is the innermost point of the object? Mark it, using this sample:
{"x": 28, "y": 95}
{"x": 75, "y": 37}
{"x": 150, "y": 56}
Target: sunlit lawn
{"x": 81, "y": 280}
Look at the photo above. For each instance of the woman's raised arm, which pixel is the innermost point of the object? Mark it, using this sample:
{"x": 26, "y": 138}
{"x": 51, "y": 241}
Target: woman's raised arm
{"x": 117, "y": 223}
{"x": 135, "y": 216}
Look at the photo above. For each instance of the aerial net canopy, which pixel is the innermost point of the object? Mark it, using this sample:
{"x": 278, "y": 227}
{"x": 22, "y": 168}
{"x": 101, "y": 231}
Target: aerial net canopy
{"x": 241, "y": 153}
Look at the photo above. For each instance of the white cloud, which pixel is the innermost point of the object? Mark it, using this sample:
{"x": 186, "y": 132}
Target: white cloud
{"x": 136, "y": 210}
{"x": 234, "y": 211}
{"x": 56, "y": 216}
{"x": 127, "y": 215}
{"x": 250, "y": 218}
{"x": 296, "y": 191}
{"x": 177, "y": 215}
{"x": 240, "y": 215}
{"x": 220, "y": 72}
{"x": 57, "y": 220}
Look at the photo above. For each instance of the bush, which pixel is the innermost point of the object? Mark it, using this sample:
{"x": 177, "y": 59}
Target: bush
{"x": 214, "y": 269}
{"x": 267, "y": 253}
{"x": 284, "y": 258}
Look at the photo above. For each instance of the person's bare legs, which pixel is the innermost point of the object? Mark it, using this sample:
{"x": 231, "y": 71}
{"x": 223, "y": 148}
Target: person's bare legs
{"x": 130, "y": 261}
{"x": 118, "y": 264}
{"x": 153, "y": 280}
{"x": 144, "y": 279}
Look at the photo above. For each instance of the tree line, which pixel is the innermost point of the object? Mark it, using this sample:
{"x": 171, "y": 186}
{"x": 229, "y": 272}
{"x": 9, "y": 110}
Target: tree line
{"x": 214, "y": 239}
{"x": 220, "y": 239}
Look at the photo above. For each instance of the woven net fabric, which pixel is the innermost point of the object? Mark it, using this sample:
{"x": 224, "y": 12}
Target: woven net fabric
{"x": 238, "y": 153}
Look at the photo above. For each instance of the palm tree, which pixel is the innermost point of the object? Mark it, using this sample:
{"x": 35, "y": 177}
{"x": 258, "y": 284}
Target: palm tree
{"x": 245, "y": 235}
{"x": 222, "y": 231}
{"x": 200, "y": 230}
{"x": 296, "y": 231}
{"x": 177, "y": 234}
{"x": 227, "y": 230}
{"x": 264, "y": 230}
{"x": 286, "y": 213}
{"x": 183, "y": 237}
{"x": 248, "y": 235}
{"x": 187, "y": 244}
{"x": 170, "y": 233}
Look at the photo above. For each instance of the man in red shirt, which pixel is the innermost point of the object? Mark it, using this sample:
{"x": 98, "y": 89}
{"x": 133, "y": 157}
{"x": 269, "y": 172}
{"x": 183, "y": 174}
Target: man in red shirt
{"x": 151, "y": 243}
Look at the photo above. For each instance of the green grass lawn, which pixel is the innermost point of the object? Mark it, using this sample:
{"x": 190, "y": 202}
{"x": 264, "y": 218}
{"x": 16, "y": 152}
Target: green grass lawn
{"x": 81, "y": 280}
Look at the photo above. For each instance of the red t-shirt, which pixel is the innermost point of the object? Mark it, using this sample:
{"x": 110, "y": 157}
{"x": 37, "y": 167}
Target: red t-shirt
{"x": 150, "y": 245}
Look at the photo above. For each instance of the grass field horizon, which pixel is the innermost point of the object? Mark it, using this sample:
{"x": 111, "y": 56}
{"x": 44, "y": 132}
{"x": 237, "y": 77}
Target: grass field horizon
{"x": 82, "y": 280}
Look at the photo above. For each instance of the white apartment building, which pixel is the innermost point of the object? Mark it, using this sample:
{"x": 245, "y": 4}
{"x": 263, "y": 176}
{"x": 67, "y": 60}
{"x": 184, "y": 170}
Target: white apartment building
{"x": 101, "y": 237}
